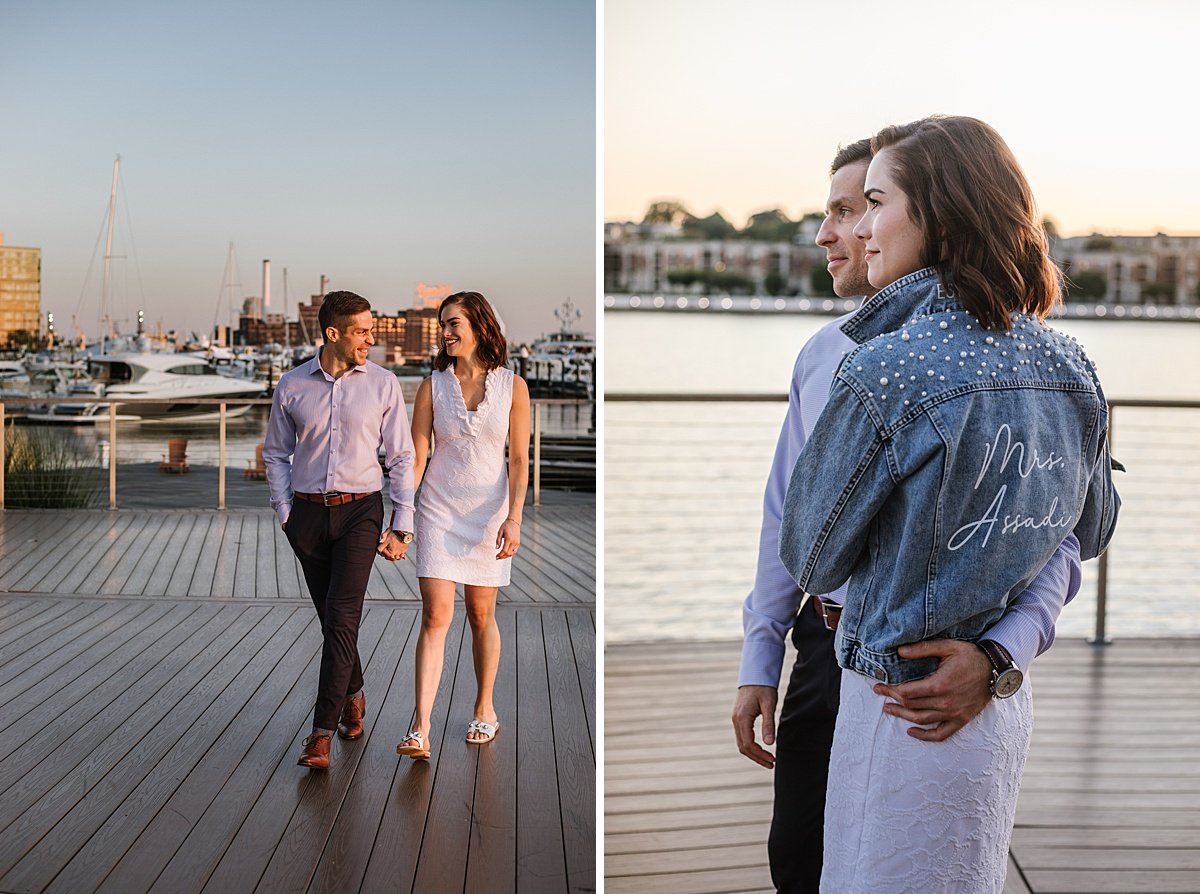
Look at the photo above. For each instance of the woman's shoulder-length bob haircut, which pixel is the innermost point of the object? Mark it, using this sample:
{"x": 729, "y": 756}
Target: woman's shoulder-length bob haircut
{"x": 976, "y": 211}
{"x": 491, "y": 349}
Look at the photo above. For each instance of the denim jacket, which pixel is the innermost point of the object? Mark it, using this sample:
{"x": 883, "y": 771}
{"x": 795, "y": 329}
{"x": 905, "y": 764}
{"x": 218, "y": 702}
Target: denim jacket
{"x": 948, "y": 465}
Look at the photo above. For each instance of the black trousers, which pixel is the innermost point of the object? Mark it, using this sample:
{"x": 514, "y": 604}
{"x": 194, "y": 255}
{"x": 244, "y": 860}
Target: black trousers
{"x": 336, "y": 548}
{"x": 803, "y": 740}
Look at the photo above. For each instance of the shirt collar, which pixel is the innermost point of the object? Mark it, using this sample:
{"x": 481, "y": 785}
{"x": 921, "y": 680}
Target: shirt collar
{"x": 314, "y": 366}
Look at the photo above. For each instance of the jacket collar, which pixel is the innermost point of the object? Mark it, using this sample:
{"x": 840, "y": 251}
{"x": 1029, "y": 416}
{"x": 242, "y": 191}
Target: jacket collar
{"x": 897, "y": 304}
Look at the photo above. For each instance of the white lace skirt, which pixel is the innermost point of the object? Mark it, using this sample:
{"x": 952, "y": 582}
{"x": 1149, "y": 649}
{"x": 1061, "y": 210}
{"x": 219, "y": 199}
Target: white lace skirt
{"x": 906, "y": 815}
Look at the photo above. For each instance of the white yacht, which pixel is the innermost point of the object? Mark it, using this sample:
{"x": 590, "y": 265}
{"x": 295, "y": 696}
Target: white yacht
{"x": 173, "y": 381}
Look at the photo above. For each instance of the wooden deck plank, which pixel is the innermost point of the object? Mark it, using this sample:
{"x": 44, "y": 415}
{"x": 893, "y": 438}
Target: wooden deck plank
{"x": 266, "y": 580}
{"x": 204, "y": 574}
{"x": 43, "y": 550}
{"x": 33, "y": 703}
{"x": 389, "y": 691}
{"x": 168, "y": 558}
{"x": 189, "y": 556}
{"x": 95, "y": 576}
{"x": 190, "y": 867}
{"x": 140, "y": 576}
{"x": 397, "y": 845}
{"x": 291, "y": 865}
{"x": 442, "y": 865}
{"x": 493, "y": 841}
{"x": 245, "y": 567}
{"x": 137, "y": 863}
{"x": 540, "y": 844}
{"x": 51, "y": 637}
{"x": 1110, "y": 798}
{"x": 102, "y": 545}
{"x": 226, "y": 557}
{"x": 64, "y": 739}
{"x": 46, "y": 796}
{"x": 149, "y": 727}
{"x": 574, "y": 757}
{"x": 145, "y": 778}
{"x": 28, "y": 620}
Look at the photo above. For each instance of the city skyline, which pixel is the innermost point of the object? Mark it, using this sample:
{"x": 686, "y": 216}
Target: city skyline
{"x": 740, "y": 108}
{"x": 381, "y": 146}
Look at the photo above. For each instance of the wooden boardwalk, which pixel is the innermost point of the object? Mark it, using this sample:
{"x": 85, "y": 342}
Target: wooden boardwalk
{"x": 152, "y": 707}
{"x": 1110, "y": 800}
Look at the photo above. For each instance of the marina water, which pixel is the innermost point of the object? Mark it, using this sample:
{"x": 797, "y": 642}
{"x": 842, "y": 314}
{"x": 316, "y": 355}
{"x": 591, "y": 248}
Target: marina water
{"x": 683, "y": 481}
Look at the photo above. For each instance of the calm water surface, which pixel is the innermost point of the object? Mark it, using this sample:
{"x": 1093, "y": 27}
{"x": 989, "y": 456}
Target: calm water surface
{"x": 683, "y": 481}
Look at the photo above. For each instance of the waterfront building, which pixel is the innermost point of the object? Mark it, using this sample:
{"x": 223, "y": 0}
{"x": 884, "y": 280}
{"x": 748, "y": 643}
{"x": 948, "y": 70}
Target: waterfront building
{"x": 658, "y": 263}
{"x": 1137, "y": 270}
{"x": 20, "y": 293}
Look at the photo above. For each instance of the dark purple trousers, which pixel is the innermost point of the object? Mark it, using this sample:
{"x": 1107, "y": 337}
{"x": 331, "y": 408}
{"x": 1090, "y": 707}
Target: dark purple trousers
{"x": 336, "y": 548}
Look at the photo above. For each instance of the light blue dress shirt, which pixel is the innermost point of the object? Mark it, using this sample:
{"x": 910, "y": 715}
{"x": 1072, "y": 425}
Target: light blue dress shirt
{"x": 1027, "y": 627}
{"x": 334, "y": 428}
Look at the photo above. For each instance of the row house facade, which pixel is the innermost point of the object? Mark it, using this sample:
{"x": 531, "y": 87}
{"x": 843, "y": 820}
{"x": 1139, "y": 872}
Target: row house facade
{"x": 1144, "y": 270}
{"x": 644, "y": 265}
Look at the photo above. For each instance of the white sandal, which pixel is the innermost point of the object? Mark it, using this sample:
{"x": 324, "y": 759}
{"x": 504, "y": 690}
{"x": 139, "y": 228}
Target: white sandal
{"x": 482, "y": 726}
{"x": 420, "y": 751}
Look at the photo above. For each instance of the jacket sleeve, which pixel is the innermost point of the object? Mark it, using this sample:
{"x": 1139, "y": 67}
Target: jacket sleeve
{"x": 840, "y": 480}
{"x": 1099, "y": 517}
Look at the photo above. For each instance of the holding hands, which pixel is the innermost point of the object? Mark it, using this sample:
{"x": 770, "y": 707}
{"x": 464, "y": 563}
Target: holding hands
{"x": 508, "y": 538}
{"x": 391, "y": 546}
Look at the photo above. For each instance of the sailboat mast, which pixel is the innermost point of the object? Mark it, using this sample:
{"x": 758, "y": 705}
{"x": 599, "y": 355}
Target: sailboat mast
{"x": 105, "y": 319}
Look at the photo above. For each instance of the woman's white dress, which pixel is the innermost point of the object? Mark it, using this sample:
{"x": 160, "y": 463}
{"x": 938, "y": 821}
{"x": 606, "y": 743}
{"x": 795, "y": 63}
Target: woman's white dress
{"x": 905, "y": 815}
{"x": 464, "y": 495}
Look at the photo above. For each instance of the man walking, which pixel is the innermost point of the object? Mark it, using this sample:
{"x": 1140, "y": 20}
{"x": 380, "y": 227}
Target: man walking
{"x": 945, "y": 701}
{"x": 333, "y": 413}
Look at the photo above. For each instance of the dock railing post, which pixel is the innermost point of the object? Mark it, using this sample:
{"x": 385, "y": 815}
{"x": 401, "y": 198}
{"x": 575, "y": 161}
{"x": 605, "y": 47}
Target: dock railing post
{"x": 1101, "y": 638}
{"x": 537, "y": 453}
{"x": 112, "y": 456}
{"x": 221, "y": 459}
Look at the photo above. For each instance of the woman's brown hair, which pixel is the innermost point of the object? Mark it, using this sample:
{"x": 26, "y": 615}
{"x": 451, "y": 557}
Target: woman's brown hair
{"x": 976, "y": 211}
{"x": 491, "y": 349}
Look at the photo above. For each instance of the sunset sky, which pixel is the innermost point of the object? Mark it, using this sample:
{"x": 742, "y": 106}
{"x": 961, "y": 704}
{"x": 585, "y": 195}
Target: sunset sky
{"x": 378, "y": 143}
{"x": 740, "y": 106}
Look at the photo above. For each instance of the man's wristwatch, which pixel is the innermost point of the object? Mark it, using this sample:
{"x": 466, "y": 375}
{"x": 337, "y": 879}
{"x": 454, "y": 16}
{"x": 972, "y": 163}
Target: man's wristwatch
{"x": 1006, "y": 676}
{"x": 405, "y": 536}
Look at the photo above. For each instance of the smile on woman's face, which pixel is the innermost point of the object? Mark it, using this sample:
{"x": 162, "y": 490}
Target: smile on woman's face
{"x": 894, "y": 243}
{"x": 456, "y": 332}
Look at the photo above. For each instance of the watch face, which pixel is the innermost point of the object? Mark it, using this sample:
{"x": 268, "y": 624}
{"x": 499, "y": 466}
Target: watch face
{"x": 1008, "y": 683}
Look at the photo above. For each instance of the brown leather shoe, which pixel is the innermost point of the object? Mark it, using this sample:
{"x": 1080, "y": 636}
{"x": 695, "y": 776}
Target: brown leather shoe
{"x": 353, "y": 711}
{"x": 316, "y": 752}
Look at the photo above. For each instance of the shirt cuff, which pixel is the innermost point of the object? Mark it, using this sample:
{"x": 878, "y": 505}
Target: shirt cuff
{"x": 403, "y": 521}
{"x": 762, "y": 663}
{"x": 283, "y": 511}
{"x": 1020, "y": 636}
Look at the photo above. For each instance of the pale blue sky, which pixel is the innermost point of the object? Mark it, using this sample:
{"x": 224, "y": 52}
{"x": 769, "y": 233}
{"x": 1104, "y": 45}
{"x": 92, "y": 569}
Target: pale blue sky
{"x": 378, "y": 143}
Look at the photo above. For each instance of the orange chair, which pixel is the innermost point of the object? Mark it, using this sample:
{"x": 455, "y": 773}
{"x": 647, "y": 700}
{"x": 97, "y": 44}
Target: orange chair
{"x": 175, "y": 459}
{"x": 258, "y": 471}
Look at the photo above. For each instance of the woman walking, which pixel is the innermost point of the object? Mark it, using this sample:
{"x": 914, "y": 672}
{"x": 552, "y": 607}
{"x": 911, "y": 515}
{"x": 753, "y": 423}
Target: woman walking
{"x": 470, "y": 501}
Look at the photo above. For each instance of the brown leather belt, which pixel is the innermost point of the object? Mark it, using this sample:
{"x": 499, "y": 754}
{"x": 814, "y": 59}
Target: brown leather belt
{"x": 333, "y": 498}
{"x": 830, "y": 612}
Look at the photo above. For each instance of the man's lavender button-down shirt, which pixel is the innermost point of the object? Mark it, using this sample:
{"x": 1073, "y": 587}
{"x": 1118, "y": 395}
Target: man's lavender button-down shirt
{"x": 334, "y": 428}
{"x": 1027, "y": 627}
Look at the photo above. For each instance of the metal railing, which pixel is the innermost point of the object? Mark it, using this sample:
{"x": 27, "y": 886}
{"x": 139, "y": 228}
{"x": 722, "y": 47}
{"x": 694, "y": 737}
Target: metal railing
{"x": 222, "y": 408}
{"x": 1100, "y": 636}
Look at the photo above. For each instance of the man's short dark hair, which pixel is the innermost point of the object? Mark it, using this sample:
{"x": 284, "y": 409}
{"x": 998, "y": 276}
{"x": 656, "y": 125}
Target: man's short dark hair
{"x": 859, "y": 150}
{"x": 339, "y": 307}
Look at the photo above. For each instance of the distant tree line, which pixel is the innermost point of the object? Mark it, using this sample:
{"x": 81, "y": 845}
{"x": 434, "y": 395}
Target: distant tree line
{"x": 765, "y": 226}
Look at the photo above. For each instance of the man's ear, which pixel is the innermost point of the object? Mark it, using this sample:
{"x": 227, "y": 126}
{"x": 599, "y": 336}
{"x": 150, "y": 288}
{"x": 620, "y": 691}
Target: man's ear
{"x": 331, "y": 334}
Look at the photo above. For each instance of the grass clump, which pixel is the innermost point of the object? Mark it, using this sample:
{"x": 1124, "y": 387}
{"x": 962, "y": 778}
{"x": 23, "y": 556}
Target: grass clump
{"x": 45, "y": 469}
